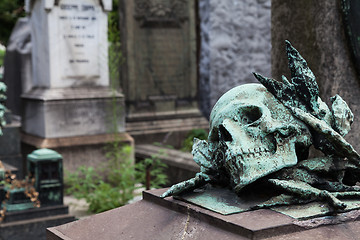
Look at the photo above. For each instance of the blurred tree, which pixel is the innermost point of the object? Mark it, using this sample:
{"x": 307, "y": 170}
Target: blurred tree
{"x": 10, "y": 11}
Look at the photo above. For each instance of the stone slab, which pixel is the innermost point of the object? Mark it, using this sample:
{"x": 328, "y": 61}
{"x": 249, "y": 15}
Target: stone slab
{"x": 156, "y": 218}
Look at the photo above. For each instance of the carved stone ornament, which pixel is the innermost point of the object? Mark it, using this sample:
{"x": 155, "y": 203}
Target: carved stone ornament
{"x": 260, "y": 136}
{"x": 161, "y": 12}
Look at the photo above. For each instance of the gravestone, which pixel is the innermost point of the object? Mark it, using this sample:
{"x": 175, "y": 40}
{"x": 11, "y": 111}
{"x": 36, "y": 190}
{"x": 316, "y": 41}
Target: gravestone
{"x": 70, "y": 105}
{"x": 18, "y": 57}
{"x": 159, "y": 74}
{"x": 318, "y": 29}
{"x": 235, "y": 41}
{"x": 10, "y": 142}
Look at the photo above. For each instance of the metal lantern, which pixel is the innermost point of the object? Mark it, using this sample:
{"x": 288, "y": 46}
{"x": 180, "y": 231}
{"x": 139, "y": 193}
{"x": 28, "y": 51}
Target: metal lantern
{"x": 45, "y": 165}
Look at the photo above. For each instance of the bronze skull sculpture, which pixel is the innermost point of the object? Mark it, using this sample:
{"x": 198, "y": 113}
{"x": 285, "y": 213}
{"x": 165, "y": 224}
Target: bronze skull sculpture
{"x": 262, "y": 133}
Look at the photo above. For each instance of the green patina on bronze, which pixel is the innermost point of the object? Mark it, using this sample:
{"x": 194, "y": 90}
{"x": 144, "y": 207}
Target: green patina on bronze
{"x": 260, "y": 136}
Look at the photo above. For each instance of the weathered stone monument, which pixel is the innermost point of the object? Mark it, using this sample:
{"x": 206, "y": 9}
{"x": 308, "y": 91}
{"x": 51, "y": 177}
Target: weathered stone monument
{"x": 235, "y": 41}
{"x": 318, "y": 28}
{"x": 69, "y": 106}
{"x": 159, "y": 74}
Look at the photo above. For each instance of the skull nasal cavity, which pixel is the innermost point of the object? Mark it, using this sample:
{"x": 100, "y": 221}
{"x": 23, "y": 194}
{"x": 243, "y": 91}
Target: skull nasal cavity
{"x": 224, "y": 134}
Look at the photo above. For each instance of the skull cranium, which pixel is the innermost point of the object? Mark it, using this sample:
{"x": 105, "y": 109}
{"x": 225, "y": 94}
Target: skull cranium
{"x": 253, "y": 134}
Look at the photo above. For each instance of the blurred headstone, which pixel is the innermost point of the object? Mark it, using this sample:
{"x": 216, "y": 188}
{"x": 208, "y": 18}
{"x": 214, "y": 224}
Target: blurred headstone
{"x": 70, "y": 105}
{"x": 17, "y": 65}
{"x": 159, "y": 76}
{"x": 10, "y": 142}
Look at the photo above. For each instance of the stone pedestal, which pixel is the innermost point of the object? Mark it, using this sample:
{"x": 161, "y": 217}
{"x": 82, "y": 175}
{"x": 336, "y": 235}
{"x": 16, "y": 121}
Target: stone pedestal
{"x": 70, "y": 100}
{"x": 156, "y": 218}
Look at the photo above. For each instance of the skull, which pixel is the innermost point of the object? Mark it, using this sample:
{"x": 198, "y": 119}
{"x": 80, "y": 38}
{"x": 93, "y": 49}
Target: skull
{"x": 252, "y": 134}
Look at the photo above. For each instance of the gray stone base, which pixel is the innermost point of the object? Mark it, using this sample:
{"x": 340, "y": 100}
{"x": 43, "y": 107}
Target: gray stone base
{"x": 76, "y": 151}
{"x": 69, "y": 112}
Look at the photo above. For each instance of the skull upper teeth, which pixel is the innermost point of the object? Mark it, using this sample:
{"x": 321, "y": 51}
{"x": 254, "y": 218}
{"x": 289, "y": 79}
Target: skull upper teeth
{"x": 254, "y": 152}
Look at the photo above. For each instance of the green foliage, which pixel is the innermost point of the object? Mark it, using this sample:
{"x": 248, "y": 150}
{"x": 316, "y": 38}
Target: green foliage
{"x": 120, "y": 182}
{"x": 156, "y": 168}
{"x": 10, "y": 11}
{"x": 2, "y": 57}
{"x": 188, "y": 142}
{"x": 115, "y": 53}
{"x": 115, "y": 191}
{"x": 120, "y": 170}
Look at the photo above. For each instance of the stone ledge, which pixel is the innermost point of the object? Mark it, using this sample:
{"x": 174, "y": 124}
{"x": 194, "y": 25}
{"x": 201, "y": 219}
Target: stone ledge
{"x": 34, "y": 213}
{"x": 164, "y": 126}
{"x": 53, "y": 94}
{"x": 176, "y": 158}
{"x": 40, "y": 142}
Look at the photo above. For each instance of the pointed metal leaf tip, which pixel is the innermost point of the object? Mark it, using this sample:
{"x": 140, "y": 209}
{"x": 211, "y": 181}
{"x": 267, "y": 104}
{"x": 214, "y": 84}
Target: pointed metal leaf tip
{"x": 303, "y": 78}
{"x": 273, "y": 86}
{"x": 263, "y": 80}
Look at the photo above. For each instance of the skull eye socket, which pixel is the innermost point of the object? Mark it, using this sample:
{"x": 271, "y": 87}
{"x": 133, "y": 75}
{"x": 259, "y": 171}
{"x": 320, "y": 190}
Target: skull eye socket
{"x": 248, "y": 115}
